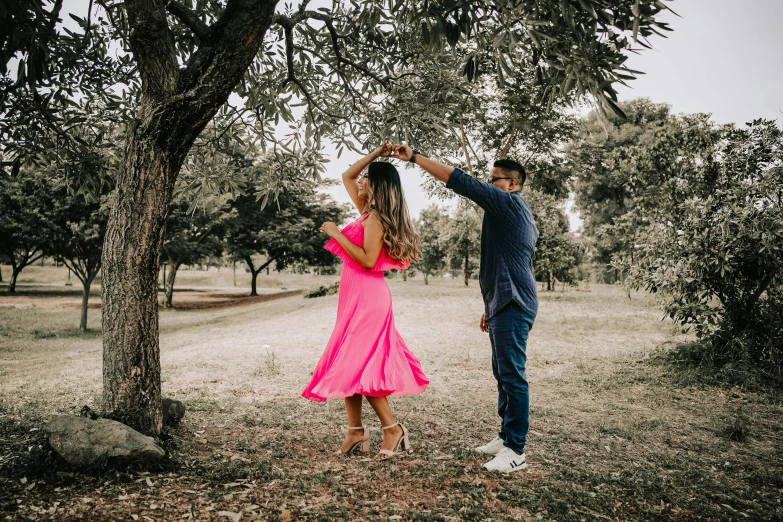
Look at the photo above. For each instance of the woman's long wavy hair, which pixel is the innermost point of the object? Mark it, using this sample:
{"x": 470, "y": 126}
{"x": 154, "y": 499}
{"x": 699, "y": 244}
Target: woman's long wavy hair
{"x": 385, "y": 197}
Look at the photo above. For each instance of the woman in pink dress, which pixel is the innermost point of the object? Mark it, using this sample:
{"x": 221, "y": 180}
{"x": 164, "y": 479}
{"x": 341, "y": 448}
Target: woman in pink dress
{"x": 366, "y": 356}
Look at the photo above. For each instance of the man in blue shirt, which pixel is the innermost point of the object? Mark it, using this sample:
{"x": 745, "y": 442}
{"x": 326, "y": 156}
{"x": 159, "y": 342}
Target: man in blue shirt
{"x": 508, "y": 241}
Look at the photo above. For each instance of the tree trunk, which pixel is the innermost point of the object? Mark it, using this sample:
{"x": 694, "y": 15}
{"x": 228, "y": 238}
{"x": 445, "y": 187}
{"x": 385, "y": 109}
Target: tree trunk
{"x": 426, "y": 278}
{"x": 169, "y": 282}
{"x": 1, "y": 274}
{"x": 131, "y": 256}
{"x": 548, "y": 281}
{"x": 253, "y": 291}
{"x": 404, "y": 275}
{"x": 467, "y": 260}
{"x": 85, "y": 300}
{"x": 254, "y": 273}
{"x": 12, "y": 283}
{"x": 176, "y": 104}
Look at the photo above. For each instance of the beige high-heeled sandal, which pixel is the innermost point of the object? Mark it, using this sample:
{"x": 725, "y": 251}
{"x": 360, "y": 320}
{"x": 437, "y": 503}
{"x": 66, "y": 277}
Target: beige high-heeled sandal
{"x": 403, "y": 444}
{"x": 363, "y": 445}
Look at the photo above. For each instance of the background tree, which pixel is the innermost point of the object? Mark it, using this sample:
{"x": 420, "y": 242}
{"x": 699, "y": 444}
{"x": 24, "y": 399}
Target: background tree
{"x": 463, "y": 241}
{"x": 558, "y": 251}
{"x": 26, "y": 204}
{"x": 432, "y": 226}
{"x": 77, "y": 229}
{"x": 283, "y": 231}
{"x": 515, "y": 120}
{"x": 626, "y": 169}
{"x": 191, "y": 234}
{"x": 715, "y": 251}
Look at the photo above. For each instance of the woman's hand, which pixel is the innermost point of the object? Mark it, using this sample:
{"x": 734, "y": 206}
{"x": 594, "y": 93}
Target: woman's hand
{"x": 330, "y": 229}
{"x": 384, "y": 151}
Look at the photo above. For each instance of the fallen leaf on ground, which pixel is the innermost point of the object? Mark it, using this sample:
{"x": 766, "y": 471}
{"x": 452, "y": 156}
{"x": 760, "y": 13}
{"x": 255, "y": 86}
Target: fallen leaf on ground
{"x": 230, "y": 514}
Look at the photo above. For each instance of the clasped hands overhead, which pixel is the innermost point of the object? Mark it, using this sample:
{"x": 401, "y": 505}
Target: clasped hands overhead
{"x": 394, "y": 151}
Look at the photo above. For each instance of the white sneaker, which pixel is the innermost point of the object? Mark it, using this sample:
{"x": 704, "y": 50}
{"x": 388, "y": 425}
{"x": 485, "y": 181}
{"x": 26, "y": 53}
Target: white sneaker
{"x": 506, "y": 461}
{"x": 491, "y": 448}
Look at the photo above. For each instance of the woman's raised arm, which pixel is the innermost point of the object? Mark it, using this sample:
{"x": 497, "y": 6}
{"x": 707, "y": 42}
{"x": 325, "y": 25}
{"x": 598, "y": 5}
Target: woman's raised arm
{"x": 354, "y": 171}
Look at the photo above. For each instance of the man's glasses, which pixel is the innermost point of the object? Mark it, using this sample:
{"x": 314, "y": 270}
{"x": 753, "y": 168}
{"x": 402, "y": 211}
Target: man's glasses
{"x": 493, "y": 179}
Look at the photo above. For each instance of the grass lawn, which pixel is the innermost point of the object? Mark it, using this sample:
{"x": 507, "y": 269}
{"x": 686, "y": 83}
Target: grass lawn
{"x": 615, "y": 434}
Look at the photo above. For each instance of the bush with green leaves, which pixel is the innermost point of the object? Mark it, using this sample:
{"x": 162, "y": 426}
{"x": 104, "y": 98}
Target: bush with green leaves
{"x": 716, "y": 252}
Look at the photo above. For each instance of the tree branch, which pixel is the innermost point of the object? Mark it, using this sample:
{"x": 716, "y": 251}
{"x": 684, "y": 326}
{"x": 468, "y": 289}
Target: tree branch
{"x": 268, "y": 262}
{"x": 203, "y": 235}
{"x": 509, "y": 143}
{"x": 464, "y": 140}
{"x": 288, "y": 29}
{"x": 757, "y": 294}
{"x": 189, "y": 18}
{"x": 351, "y": 90}
{"x": 152, "y": 43}
{"x": 328, "y": 21}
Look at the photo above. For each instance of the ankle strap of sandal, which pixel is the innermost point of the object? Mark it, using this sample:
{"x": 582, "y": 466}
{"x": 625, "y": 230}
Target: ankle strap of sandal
{"x": 390, "y": 426}
{"x": 354, "y": 427}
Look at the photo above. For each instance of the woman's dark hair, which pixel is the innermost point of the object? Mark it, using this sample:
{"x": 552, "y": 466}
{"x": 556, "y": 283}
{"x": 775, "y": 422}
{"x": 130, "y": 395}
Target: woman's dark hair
{"x": 510, "y": 166}
{"x": 388, "y": 201}
{"x": 383, "y": 172}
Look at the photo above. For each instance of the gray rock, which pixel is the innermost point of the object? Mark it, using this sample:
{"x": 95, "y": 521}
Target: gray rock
{"x": 85, "y": 442}
{"x": 173, "y": 411}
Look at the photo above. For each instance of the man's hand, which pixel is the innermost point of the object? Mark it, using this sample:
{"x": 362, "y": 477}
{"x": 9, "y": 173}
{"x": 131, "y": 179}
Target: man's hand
{"x": 330, "y": 229}
{"x": 483, "y": 324}
{"x": 401, "y": 152}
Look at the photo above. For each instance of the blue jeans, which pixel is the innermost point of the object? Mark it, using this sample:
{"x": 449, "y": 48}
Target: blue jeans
{"x": 508, "y": 332}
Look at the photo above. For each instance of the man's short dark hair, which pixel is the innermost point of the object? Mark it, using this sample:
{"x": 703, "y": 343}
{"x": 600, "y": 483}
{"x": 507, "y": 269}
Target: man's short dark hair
{"x": 510, "y": 166}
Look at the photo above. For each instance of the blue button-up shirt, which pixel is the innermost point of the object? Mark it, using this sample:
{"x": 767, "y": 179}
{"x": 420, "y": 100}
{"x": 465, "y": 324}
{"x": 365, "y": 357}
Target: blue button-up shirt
{"x": 508, "y": 241}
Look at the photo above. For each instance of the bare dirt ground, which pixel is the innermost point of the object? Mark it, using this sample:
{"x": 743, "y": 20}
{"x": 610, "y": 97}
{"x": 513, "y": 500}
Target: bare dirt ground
{"x": 615, "y": 435}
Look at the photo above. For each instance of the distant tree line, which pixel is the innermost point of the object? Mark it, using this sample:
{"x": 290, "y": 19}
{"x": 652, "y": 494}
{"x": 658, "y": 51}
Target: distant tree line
{"x": 39, "y": 217}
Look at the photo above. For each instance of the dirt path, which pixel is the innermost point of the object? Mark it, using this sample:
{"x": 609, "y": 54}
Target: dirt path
{"x": 611, "y": 435}
{"x": 185, "y": 299}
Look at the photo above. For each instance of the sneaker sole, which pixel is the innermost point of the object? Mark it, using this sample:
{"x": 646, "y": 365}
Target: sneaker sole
{"x": 506, "y": 471}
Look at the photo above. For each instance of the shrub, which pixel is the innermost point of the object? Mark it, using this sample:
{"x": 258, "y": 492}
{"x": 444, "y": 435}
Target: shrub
{"x": 714, "y": 252}
{"x": 322, "y": 290}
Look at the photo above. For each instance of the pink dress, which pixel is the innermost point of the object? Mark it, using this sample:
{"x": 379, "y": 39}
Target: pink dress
{"x": 365, "y": 354}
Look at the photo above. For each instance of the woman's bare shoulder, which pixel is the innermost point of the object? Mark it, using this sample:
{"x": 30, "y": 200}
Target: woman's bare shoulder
{"x": 372, "y": 221}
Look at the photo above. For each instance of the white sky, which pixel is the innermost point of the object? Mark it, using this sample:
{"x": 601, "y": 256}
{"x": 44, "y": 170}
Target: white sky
{"x": 724, "y": 57}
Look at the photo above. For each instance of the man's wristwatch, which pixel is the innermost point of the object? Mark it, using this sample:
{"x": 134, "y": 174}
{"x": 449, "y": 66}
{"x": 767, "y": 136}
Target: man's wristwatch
{"x": 413, "y": 156}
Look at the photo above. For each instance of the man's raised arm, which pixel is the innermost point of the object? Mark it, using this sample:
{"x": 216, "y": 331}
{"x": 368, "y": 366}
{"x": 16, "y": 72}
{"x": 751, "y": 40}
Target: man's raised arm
{"x": 438, "y": 170}
{"x": 491, "y": 199}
